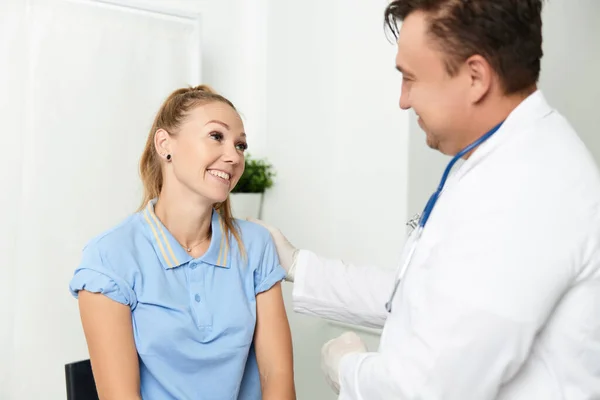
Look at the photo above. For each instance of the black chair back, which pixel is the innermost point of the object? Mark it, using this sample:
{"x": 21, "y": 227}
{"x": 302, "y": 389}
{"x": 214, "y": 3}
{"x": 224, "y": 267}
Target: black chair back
{"x": 80, "y": 381}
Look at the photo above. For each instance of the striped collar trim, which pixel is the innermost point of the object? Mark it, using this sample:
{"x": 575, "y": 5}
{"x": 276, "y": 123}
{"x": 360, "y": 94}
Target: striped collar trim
{"x": 172, "y": 254}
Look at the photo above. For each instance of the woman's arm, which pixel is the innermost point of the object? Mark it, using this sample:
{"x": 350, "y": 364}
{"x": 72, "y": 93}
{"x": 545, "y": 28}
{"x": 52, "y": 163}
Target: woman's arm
{"x": 273, "y": 346}
{"x": 109, "y": 335}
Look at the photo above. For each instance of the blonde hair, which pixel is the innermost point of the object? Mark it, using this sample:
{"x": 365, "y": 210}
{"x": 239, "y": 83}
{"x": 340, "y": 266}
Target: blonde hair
{"x": 169, "y": 117}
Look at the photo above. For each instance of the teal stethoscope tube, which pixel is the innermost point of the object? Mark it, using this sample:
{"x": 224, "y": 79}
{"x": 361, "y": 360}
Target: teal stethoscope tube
{"x": 429, "y": 208}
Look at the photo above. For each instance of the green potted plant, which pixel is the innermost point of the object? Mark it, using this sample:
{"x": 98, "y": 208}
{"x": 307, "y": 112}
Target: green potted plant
{"x": 247, "y": 196}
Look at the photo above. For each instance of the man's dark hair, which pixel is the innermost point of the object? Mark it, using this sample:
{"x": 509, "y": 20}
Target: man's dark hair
{"x": 507, "y": 33}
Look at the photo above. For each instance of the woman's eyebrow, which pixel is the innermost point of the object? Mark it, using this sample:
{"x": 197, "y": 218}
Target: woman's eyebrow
{"x": 216, "y": 121}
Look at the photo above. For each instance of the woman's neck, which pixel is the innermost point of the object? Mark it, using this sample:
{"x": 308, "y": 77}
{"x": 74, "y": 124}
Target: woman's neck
{"x": 188, "y": 221}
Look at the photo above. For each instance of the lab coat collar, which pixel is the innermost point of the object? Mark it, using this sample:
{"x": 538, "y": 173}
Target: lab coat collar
{"x": 526, "y": 114}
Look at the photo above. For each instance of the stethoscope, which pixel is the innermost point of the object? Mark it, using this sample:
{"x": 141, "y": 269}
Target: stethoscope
{"x": 419, "y": 225}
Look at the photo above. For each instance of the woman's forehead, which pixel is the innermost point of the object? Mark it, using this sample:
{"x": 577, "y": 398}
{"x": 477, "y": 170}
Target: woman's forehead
{"x": 215, "y": 112}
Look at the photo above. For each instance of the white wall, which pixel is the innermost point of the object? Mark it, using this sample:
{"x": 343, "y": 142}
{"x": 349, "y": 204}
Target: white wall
{"x": 335, "y": 131}
{"x": 569, "y": 79}
{"x": 570, "y": 75}
{"x": 339, "y": 142}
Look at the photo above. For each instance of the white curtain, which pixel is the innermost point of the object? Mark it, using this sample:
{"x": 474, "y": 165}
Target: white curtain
{"x": 11, "y": 101}
{"x": 84, "y": 81}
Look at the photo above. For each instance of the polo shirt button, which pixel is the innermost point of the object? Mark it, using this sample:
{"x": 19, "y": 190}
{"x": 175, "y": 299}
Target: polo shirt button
{"x": 193, "y": 265}
{"x": 197, "y": 298}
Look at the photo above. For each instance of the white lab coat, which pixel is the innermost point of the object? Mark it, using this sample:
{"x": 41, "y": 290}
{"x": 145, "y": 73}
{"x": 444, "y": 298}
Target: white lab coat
{"x": 502, "y": 298}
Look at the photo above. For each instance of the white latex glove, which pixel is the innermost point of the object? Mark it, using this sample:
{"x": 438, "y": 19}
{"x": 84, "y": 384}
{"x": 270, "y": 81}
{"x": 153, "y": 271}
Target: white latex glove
{"x": 285, "y": 250}
{"x": 332, "y": 353}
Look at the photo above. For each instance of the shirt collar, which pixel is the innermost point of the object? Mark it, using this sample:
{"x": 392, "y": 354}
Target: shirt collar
{"x": 527, "y": 113}
{"x": 172, "y": 254}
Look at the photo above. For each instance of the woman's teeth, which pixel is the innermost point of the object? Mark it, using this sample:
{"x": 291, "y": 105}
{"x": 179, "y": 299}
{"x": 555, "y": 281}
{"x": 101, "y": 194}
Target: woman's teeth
{"x": 220, "y": 174}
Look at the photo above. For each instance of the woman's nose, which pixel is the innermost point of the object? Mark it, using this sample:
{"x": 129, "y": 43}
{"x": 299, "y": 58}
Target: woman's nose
{"x": 232, "y": 154}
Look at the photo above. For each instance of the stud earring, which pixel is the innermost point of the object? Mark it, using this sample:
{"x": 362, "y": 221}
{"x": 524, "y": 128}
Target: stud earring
{"x": 168, "y": 157}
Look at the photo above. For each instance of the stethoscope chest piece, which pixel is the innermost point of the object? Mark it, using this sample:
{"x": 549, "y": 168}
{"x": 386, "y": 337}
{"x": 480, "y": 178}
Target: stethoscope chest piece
{"x": 413, "y": 222}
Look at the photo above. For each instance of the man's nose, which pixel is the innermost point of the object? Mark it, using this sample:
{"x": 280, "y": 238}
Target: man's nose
{"x": 404, "y": 100}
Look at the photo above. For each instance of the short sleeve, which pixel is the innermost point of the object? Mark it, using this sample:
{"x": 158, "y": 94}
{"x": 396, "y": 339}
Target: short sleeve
{"x": 268, "y": 272}
{"x": 96, "y": 276}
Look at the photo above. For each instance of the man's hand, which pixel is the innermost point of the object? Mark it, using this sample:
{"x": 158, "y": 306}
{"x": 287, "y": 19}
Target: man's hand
{"x": 285, "y": 250}
{"x": 332, "y": 353}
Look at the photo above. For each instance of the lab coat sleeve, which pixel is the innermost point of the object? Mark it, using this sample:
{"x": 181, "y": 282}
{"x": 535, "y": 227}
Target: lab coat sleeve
{"x": 468, "y": 314}
{"x": 339, "y": 291}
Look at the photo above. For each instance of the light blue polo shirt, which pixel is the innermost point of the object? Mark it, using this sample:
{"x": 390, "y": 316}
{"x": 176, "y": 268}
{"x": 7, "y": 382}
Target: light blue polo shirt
{"x": 193, "y": 319}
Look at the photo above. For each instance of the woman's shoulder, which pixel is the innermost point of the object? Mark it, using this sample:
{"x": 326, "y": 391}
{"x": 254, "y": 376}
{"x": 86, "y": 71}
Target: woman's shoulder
{"x": 262, "y": 255}
{"x": 106, "y": 263}
{"x": 252, "y": 233}
{"x": 117, "y": 238}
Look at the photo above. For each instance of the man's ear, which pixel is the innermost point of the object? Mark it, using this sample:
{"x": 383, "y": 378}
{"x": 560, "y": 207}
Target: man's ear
{"x": 162, "y": 143}
{"x": 481, "y": 75}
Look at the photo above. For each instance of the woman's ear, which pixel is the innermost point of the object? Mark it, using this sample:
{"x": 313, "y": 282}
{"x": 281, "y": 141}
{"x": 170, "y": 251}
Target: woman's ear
{"x": 162, "y": 144}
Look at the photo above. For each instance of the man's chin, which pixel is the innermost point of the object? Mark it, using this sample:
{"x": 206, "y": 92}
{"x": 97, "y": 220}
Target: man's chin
{"x": 432, "y": 143}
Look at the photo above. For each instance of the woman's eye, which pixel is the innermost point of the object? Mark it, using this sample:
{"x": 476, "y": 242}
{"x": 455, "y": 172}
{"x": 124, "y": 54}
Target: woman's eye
{"x": 216, "y": 135}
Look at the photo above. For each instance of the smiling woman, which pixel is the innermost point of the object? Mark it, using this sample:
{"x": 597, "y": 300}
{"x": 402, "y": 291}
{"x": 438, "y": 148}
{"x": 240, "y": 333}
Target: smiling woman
{"x": 170, "y": 303}
{"x": 200, "y": 137}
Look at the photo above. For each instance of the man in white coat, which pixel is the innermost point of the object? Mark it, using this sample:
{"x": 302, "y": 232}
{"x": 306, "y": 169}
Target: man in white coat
{"x": 501, "y": 299}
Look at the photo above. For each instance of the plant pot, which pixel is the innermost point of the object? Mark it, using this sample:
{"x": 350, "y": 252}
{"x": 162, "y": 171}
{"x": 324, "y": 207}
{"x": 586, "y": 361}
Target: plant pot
{"x": 244, "y": 205}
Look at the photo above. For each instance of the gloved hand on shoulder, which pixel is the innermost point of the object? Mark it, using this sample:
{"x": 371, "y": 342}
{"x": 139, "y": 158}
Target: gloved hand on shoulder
{"x": 285, "y": 250}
